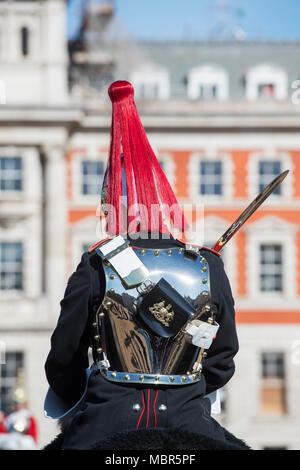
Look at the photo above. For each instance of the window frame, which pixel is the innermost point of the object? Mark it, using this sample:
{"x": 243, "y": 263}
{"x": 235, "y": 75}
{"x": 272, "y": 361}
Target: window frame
{"x": 207, "y": 74}
{"x": 151, "y": 75}
{"x": 13, "y": 378}
{"x": 21, "y": 290}
{"x": 77, "y": 157}
{"x": 274, "y": 382}
{"x": 261, "y": 273}
{"x": 194, "y": 180}
{"x": 13, "y": 152}
{"x": 84, "y": 177}
{"x": 266, "y": 74}
{"x": 274, "y": 230}
{"x": 270, "y": 155}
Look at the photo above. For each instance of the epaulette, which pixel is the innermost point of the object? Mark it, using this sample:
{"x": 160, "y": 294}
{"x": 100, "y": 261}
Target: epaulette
{"x": 92, "y": 248}
{"x": 210, "y": 249}
{"x": 201, "y": 247}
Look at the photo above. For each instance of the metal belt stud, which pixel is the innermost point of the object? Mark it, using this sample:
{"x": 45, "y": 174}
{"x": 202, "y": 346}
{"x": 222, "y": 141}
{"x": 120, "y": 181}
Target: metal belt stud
{"x": 149, "y": 378}
{"x": 136, "y": 407}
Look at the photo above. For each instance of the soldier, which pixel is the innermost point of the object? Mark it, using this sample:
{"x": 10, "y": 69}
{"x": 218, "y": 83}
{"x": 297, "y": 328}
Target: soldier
{"x": 158, "y": 313}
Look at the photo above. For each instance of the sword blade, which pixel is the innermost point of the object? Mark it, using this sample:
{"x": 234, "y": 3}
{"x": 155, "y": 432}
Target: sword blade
{"x": 253, "y": 206}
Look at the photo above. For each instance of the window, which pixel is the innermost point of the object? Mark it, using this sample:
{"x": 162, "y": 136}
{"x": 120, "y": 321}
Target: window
{"x": 272, "y": 365}
{"x": 267, "y": 171}
{"x": 11, "y": 266}
{"x": 272, "y": 385}
{"x": 92, "y": 175}
{"x": 9, "y": 373}
{"x": 10, "y": 174}
{"x": 208, "y": 91}
{"x": 208, "y": 82}
{"x": 266, "y": 81}
{"x": 147, "y": 91}
{"x": 211, "y": 178}
{"x": 151, "y": 82}
{"x": 24, "y": 41}
{"x": 271, "y": 268}
{"x": 263, "y": 167}
{"x": 266, "y": 90}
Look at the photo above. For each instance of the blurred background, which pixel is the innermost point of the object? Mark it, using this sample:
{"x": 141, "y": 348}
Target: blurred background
{"x": 217, "y": 85}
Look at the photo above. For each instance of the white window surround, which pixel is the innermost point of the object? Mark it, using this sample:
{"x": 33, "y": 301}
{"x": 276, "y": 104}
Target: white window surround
{"x": 76, "y": 175}
{"x": 194, "y": 179}
{"x": 264, "y": 74}
{"x": 31, "y": 174}
{"x": 206, "y": 75}
{"x": 26, "y": 232}
{"x": 271, "y": 230}
{"x": 151, "y": 75}
{"x": 253, "y": 175}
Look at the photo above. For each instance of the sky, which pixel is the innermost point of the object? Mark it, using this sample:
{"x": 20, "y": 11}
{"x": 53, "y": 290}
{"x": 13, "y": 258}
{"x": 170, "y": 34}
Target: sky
{"x": 206, "y": 19}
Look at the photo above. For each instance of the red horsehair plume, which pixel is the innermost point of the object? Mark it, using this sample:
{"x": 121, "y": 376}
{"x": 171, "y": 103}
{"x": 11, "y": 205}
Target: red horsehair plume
{"x": 147, "y": 187}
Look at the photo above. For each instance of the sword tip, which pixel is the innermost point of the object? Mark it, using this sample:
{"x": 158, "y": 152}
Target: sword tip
{"x": 283, "y": 175}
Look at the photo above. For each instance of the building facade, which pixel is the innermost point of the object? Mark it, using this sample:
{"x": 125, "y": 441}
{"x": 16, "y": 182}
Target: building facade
{"x": 223, "y": 120}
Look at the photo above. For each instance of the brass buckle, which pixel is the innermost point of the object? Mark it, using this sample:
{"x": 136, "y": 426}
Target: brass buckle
{"x": 145, "y": 287}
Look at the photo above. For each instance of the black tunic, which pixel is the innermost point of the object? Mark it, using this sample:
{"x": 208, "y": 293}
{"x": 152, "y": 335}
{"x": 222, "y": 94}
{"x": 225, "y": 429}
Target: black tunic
{"x": 108, "y": 406}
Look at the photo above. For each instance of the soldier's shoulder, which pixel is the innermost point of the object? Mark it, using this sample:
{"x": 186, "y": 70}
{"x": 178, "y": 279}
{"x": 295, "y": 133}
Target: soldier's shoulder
{"x": 213, "y": 257}
{"x": 210, "y": 251}
{"x": 93, "y": 247}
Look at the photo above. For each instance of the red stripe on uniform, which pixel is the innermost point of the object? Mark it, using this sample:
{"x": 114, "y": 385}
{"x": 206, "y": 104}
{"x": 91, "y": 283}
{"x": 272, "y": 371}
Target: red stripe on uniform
{"x": 155, "y": 422}
{"x": 141, "y": 415}
{"x": 148, "y": 408}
